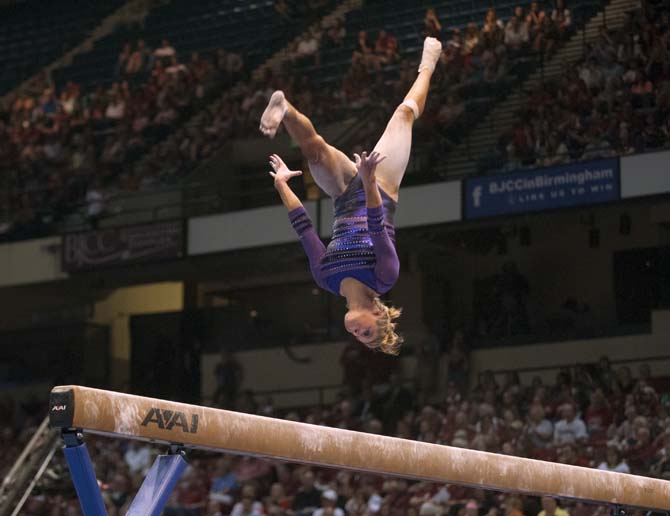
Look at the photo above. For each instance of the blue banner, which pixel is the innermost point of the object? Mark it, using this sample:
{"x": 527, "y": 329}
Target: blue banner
{"x": 576, "y": 184}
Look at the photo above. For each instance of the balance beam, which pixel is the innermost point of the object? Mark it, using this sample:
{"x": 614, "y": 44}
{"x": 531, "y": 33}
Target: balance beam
{"x": 135, "y": 417}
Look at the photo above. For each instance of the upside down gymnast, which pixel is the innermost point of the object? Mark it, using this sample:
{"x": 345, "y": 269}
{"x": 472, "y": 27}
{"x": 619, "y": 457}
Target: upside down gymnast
{"x": 360, "y": 262}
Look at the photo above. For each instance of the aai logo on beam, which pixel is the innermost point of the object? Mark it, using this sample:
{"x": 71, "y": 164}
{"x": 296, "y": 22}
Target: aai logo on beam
{"x": 166, "y": 419}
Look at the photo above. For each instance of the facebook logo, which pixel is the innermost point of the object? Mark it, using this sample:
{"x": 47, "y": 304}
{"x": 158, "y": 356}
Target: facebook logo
{"x": 477, "y": 196}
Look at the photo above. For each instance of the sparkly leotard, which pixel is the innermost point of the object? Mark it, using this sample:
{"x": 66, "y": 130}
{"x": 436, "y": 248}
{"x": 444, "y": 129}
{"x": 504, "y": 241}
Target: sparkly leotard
{"x": 362, "y": 245}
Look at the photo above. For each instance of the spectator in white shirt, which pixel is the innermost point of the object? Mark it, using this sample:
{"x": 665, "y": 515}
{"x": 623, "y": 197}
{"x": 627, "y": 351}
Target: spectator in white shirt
{"x": 95, "y": 199}
{"x": 116, "y": 109}
{"x": 561, "y": 16}
{"x": 165, "y": 50}
{"x": 329, "y": 505}
{"x": 539, "y": 429}
{"x": 516, "y": 33}
{"x": 614, "y": 462}
{"x": 176, "y": 67}
{"x": 591, "y": 74}
{"x": 308, "y": 47}
{"x": 138, "y": 457}
{"x": 570, "y": 429}
{"x": 248, "y": 506}
{"x": 96, "y": 203}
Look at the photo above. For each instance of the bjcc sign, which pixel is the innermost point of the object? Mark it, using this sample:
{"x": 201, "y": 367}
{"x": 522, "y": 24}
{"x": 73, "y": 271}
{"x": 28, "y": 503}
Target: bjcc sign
{"x": 124, "y": 245}
{"x": 576, "y": 184}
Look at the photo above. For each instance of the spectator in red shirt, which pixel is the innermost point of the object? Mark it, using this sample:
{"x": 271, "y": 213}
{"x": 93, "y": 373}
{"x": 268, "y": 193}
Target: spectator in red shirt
{"x": 386, "y": 48}
{"x": 251, "y": 468}
{"x": 432, "y": 25}
{"x": 513, "y": 506}
{"x": 661, "y": 464}
{"x": 598, "y": 417}
{"x": 118, "y": 496}
{"x": 625, "y": 379}
{"x": 535, "y": 20}
{"x": 190, "y": 496}
{"x": 364, "y": 54}
{"x": 640, "y": 453}
{"x": 642, "y": 91}
{"x": 567, "y": 454}
{"x": 511, "y": 428}
{"x": 277, "y": 503}
{"x": 336, "y": 33}
{"x": 561, "y": 17}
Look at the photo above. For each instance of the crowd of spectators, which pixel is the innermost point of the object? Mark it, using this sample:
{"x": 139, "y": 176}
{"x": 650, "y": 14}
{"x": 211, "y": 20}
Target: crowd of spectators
{"x": 380, "y": 74}
{"x": 480, "y": 61}
{"x": 476, "y": 62}
{"x": 69, "y": 150}
{"x": 593, "y": 415}
{"x": 57, "y": 145}
{"x": 614, "y": 101}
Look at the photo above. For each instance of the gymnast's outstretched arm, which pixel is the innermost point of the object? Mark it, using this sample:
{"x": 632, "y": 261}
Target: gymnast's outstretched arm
{"x": 282, "y": 175}
{"x": 299, "y": 218}
{"x": 387, "y": 268}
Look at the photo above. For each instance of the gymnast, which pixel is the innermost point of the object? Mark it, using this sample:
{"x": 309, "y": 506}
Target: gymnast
{"x": 360, "y": 262}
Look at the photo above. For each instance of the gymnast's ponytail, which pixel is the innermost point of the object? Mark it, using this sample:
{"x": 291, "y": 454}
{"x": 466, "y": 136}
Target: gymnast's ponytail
{"x": 388, "y": 341}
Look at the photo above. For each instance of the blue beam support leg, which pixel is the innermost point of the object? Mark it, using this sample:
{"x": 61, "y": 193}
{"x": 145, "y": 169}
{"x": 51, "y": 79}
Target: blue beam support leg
{"x": 85, "y": 483}
{"x": 158, "y": 485}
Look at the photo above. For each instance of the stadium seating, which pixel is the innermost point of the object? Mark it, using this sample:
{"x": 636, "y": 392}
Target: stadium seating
{"x": 34, "y": 33}
{"x": 251, "y": 28}
{"x": 405, "y": 23}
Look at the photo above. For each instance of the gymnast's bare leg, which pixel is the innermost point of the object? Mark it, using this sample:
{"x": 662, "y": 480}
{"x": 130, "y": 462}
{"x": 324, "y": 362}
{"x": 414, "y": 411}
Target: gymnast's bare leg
{"x": 396, "y": 142}
{"x": 332, "y": 169}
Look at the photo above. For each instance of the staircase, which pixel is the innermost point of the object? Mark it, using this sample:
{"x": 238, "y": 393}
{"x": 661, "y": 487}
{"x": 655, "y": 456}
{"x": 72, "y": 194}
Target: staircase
{"x": 462, "y": 160}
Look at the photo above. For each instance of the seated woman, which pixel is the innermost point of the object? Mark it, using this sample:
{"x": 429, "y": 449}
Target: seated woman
{"x": 360, "y": 263}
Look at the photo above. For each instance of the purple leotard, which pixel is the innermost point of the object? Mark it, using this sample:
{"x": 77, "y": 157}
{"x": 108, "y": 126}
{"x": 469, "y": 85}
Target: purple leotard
{"x": 362, "y": 246}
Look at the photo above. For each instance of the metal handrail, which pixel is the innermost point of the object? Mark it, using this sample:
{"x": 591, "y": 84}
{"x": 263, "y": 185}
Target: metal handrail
{"x": 535, "y": 369}
{"x": 38, "y": 475}
{"x": 28, "y": 469}
{"x": 320, "y": 389}
{"x": 9, "y": 478}
{"x": 217, "y": 194}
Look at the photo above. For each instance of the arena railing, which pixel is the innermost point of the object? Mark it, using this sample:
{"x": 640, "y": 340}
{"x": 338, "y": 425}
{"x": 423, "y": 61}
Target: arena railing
{"x": 319, "y": 393}
{"x": 28, "y": 468}
{"x": 572, "y": 365}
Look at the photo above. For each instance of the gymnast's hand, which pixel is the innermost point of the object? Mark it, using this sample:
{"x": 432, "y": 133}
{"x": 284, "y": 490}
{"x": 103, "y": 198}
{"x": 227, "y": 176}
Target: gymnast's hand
{"x": 281, "y": 172}
{"x": 367, "y": 165}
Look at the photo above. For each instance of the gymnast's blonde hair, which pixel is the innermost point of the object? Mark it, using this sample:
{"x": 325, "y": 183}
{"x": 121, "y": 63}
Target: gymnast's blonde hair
{"x": 388, "y": 341}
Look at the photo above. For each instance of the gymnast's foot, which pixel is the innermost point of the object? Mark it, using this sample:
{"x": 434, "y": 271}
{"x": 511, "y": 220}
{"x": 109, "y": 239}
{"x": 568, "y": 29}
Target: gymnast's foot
{"x": 432, "y": 49}
{"x": 273, "y": 114}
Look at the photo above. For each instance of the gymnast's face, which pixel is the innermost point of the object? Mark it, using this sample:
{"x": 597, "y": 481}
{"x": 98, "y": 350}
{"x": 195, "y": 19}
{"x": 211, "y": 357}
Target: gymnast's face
{"x": 362, "y": 324}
